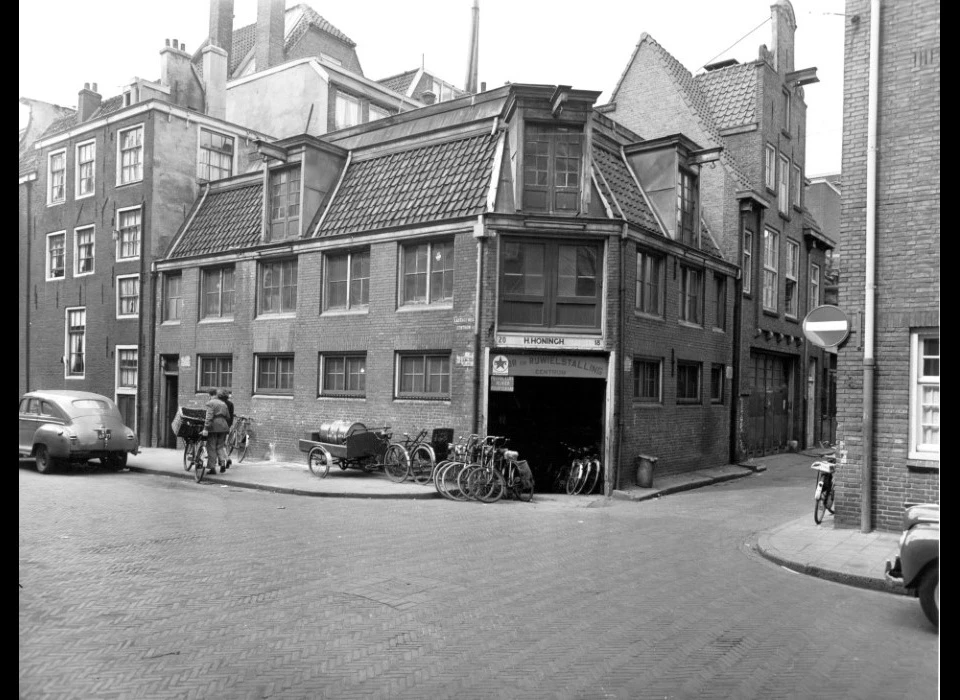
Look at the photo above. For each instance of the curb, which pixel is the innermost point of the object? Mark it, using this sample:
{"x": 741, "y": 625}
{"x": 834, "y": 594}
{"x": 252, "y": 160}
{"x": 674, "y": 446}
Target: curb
{"x": 696, "y": 484}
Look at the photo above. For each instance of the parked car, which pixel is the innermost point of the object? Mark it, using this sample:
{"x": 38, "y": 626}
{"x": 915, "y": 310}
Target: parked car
{"x": 917, "y": 567}
{"x": 59, "y": 427}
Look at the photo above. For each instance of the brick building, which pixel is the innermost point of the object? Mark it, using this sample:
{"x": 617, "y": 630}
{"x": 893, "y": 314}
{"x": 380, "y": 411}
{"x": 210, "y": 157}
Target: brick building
{"x": 513, "y": 263}
{"x": 891, "y": 444}
{"x": 753, "y": 206}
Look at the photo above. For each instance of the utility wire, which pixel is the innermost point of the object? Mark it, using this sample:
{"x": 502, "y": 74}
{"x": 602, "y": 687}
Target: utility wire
{"x": 735, "y": 43}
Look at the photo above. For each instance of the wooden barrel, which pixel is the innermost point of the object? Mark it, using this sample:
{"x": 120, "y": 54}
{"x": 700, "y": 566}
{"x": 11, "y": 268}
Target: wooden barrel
{"x": 335, "y": 432}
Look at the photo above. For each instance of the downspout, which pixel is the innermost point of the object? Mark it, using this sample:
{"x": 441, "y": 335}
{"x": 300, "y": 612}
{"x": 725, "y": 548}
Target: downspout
{"x": 151, "y": 344}
{"x": 735, "y": 361}
{"x": 144, "y": 348}
{"x": 477, "y": 306}
{"x": 26, "y": 300}
{"x": 620, "y": 392}
{"x": 869, "y": 322}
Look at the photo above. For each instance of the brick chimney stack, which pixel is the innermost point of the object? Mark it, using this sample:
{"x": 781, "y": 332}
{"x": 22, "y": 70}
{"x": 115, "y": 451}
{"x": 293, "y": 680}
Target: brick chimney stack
{"x": 270, "y": 33}
{"x": 88, "y": 101}
{"x": 784, "y": 27}
{"x": 215, "y": 81}
{"x": 221, "y": 26}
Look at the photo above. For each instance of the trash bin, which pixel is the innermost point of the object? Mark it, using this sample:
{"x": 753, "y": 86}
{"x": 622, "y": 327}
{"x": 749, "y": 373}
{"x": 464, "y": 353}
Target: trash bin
{"x": 645, "y": 467}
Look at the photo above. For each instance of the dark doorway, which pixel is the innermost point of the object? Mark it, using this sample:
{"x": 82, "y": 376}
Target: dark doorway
{"x": 769, "y": 406}
{"x": 170, "y": 400}
{"x": 541, "y": 415}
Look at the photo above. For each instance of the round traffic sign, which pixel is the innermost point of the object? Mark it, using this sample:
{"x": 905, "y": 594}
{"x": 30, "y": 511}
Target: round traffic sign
{"x": 826, "y": 326}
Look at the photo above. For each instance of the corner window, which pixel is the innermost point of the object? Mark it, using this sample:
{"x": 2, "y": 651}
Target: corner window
{"x": 770, "y": 168}
{"x": 688, "y": 382}
{"x": 687, "y": 228}
{"x": 274, "y": 374}
{"x": 76, "y": 336}
{"x": 791, "y": 300}
{"x": 691, "y": 295}
{"x": 214, "y": 372}
{"x": 783, "y": 192}
{"x": 56, "y": 255}
{"x": 649, "y": 294}
{"x": 552, "y": 162}
{"x": 925, "y": 395}
{"x": 216, "y": 292}
{"x": 747, "y": 262}
{"x": 128, "y": 234}
{"x": 57, "y": 177}
{"x": 814, "y": 294}
{"x": 130, "y": 155}
{"x": 426, "y": 273}
{"x": 347, "y": 111}
{"x": 423, "y": 376}
{"x": 278, "y": 287}
{"x": 216, "y": 156}
{"x": 172, "y": 296}
{"x": 84, "y": 250}
{"x": 343, "y": 375}
{"x": 128, "y": 296}
{"x": 771, "y": 269}
{"x": 347, "y": 281}
{"x": 720, "y": 301}
{"x": 86, "y": 168}
{"x": 647, "y": 386}
{"x": 716, "y": 383}
{"x": 285, "y": 203}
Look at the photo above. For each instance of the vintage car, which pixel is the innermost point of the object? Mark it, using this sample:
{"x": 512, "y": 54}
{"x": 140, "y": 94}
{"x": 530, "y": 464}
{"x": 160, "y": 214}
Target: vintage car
{"x": 917, "y": 566}
{"x": 70, "y": 427}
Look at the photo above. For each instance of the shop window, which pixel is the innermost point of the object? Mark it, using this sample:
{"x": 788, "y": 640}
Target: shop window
{"x": 423, "y": 375}
{"x": 57, "y": 177}
{"x": 347, "y": 281}
{"x": 216, "y": 156}
{"x": 128, "y": 296}
{"x": 552, "y": 164}
{"x": 716, "y": 383}
{"x": 343, "y": 375}
{"x": 56, "y": 255}
{"x": 217, "y": 292}
{"x": 278, "y": 287}
{"x": 791, "y": 300}
{"x": 925, "y": 395}
{"x": 83, "y": 253}
{"x": 691, "y": 295}
{"x": 647, "y": 386}
{"x": 214, "y": 372}
{"x": 172, "y": 296}
{"x": 688, "y": 382}
{"x": 771, "y": 269}
{"x": 274, "y": 374}
{"x": 285, "y": 203}
{"x": 86, "y": 168}
{"x": 426, "y": 273}
{"x": 649, "y": 296}
{"x": 76, "y": 336}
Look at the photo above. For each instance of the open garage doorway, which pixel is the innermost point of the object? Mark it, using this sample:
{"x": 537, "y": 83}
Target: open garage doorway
{"x": 546, "y": 404}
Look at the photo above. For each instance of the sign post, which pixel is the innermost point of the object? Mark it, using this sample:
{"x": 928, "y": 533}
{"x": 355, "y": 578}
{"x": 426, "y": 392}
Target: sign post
{"x": 826, "y": 326}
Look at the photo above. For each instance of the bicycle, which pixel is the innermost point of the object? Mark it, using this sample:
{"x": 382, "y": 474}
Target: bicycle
{"x": 195, "y": 457}
{"x": 411, "y": 457}
{"x": 824, "y": 495}
{"x": 496, "y": 474}
{"x": 238, "y": 439}
{"x": 583, "y": 474}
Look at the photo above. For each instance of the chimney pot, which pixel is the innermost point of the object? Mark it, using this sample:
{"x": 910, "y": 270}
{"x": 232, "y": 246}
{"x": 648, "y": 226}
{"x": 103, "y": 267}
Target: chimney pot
{"x": 86, "y": 86}
{"x": 94, "y": 87}
{"x": 168, "y": 41}
{"x": 183, "y": 47}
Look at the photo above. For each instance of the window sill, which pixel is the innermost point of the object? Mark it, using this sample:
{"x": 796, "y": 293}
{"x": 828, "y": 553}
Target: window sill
{"x": 657, "y": 405}
{"x": 77, "y": 197}
{"x": 719, "y": 330}
{"x": 923, "y": 463}
{"x": 136, "y": 258}
{"x": 127, "y": 317}
{"x": 689, "y": 324}
{"x": 406, "y": 308}
{"x": 283, "y": 397}
{"x": 791, "y": 318}
{"x": 55, "y": 204}
{"x": 785, "y": 215}
{"x": 127, "y": 184}
{"x": 170, "y": 323}
{"x": 353, "y": 397}
{"x": 422, "y": 400}
{"x": 798, "y": 208}
{"x": 276, "y": 316}
{"x": 84, "y": 274}
{"x": 345, "y": 312}
{"x": 689, "y": 403}
{"x": 648, "y": 316}
{"x": 215, "y": 319}
{"x": 56, "y": 279}
{"x": 771, "y": 314}
{"x": 75, "y": 377}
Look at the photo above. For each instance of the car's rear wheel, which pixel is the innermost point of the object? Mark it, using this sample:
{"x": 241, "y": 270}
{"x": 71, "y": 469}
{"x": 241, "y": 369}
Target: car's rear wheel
{"x": 45, "y": 463}
{"x": 929, "y": 593}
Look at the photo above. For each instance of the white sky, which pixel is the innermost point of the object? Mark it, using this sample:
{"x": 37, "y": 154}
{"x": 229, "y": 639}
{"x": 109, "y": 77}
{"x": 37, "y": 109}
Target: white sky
{"x": 583, "y": 43}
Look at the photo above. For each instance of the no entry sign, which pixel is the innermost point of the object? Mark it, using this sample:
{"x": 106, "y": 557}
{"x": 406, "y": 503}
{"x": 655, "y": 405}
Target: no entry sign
{"x": 826, "y": 326}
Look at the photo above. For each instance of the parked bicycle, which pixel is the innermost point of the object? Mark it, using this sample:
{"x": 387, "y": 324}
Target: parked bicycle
{"x": 188, "y": 425}
{"x": 238, "y": 439}
{"x": 498, "y": 473}
{"x": 824, "y": 494}
{"x": 583, "y": 474}
{"x": 416, "y": 462}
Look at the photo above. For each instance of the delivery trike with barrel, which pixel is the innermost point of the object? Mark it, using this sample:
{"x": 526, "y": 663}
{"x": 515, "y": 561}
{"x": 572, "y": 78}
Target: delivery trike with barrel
{"x": 349, "y": 445}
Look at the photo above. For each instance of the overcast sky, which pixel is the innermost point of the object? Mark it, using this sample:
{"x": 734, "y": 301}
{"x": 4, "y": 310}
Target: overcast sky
{"x": 583, "y": 43}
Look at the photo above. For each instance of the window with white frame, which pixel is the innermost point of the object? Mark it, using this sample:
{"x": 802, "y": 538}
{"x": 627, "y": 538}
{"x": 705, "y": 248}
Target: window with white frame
{"x": 796, "y": 187}
{"x": 172, "y": 296}
{"x": 649, "y": 295}
{"x": 57, "y": 177}
{"x": 343, "y": 374}
{"x": 83, "y": 252}
{"x": 378, "y": 113}
{"x": 86, "y": 168}
{"x": 56, "y": 255}
{"x": 771, "y": 269}
{"x": 285, "y": 203}
{"x": 126, "y": 383}
{"x": 443, "y": 91}
{"x": 770, "y": 168}
{"x": 925, "y": 395}
{"x": 130, "y": 155}
{"x": 687, "y": 209}
{"x": 814, "y": 300}
{"x": 76, "y": 336}
{"x": 791, "y": 296}
{"x": 747, "y": 262}
{"x": 783, "y": 192}
{"x": 347, "y": 281}
{"x": 277, "y": 292}
{"x": 214, "y": 372}
{"x": 217, "y": 292}
{"x": 426, "y": 273}
{"x": 688, "y": 381}
{"x": 647, "y": 383}
{"x": 347, "y": 111}
{"x": 423, "y": 375}
{"x": 216, "y": 156}
{"x": 274, "y": 374}
{"x": 128, "y": 234}
{"x": 552, "y": 168}
{"x": 128, "y": 296}
{"x": 691, "y": 295}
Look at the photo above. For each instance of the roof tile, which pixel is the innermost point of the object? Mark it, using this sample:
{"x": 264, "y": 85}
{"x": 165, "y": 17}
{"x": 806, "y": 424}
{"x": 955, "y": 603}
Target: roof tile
{"x": 624, "y": 188}
{"x": 731, "y": 94}
{"x": 227, "y": 219}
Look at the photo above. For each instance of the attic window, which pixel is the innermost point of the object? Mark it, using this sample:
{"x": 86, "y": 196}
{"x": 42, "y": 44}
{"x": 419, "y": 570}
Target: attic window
{"x": 285, "y": 203}
{"x": 552, "y": 164}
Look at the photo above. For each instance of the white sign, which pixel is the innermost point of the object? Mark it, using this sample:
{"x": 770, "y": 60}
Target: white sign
{"x": 542, "y": 341}
{"x": 501, "y": 383}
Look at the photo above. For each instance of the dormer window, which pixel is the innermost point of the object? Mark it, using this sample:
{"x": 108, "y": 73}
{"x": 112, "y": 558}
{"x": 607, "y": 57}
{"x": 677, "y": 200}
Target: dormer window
{"x": 552, "y": 165}
{"x": 285, "y": 203}
{"x": 688, "y": 231}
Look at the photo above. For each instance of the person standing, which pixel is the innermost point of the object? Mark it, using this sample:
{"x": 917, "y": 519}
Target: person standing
{"x": 228, "y": 399}
{"x": 216, "y": 425}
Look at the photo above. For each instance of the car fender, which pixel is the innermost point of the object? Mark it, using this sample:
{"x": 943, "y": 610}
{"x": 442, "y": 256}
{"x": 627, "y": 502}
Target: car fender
{"x": 52, "y": 436}
{"x": 920, "y": 547}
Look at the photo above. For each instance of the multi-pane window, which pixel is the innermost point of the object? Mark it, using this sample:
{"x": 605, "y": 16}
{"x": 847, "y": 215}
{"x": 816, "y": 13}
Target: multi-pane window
{"x": 172, "y": 296}
{"x": 771, "y": 268}
{"x": 647, "y": 386}
{"x": 57, "y": 177}
{"x": 716, "y": 383}
{"x": 443, "y": 91}
{"x": 215, "y": 372}
{"x": 217, "y": 291}
{"x": 347, "y": 281}
{"x": 770, "y": 167}
{"x": 796, "y": 187}
{"x": 343, "y": 375}
{"x": 814, "y": 300}
{"x": 747, "y": 262}
{"x": 925, "y": 395}
{"x": 687, "y": 209}
{"x": 783, "y": 191}
{"x": 274, "y": 374}
{"x": 216, "y": 156}
{"x": 347, "y": 111}
{"x": 131, "y": 155}
{"x": 86, "y": 168}
{"x": 285, "y": 203}
{"x": 83, "y": 255}
{"x": 720, "y": 301}
{"x": 127, "y": 367}
{"x": 56, "y": 255}
{"x": 278, "y": 287}
{"x": 128, "y": 240}
{"x": 791, "y": 296}
{"x": 691, "y": 295}
{"x": 378, "y": 113}
{"x": 552, "y": 163}
{"x": 688, "y": 382}
{"x": 76, "y": 341}
{"x": 423, "y": 376}
{"x": 550, "y": 285}
{"x": 649, "y": 296}
{"x": 128, "y": 296}
{"x": 426, "y": 275}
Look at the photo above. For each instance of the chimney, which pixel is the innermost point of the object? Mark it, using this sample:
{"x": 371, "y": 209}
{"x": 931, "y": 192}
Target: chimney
{"x": 215, "y": 81}
{"x": 784, "y": 26}
{"x": 88, "y": 101}
{"x": 428, "y": 97}
{"x": 473, "y": 47}
{"x": 175, "y": 71}
{"x": 221, "y": 26}
{"x": 270, "y": 34}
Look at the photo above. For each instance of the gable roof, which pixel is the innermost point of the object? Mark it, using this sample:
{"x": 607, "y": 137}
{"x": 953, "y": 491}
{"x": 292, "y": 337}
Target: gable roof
{"x": 68, "y": 121}
{"x": 400, "y": 82}
{"x": 227, "y": 216}
{"x": 731, "y": 94}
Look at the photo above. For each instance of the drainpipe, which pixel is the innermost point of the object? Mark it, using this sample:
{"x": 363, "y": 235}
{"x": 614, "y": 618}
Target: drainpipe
{"x": 735, "y": 360}
{"x": 619, "y": 391}
{"x": 480, "y": 234}
{"x": 869, "y": 321}
{"x": 26, "y": 300}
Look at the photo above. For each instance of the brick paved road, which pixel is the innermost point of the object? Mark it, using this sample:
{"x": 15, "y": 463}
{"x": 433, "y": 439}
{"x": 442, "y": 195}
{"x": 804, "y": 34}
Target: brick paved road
{"x": 138, "y": 586}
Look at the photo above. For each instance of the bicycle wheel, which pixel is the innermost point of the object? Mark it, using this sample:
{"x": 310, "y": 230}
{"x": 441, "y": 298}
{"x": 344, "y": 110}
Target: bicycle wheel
{"x": 482, "y": 483}
{"x": 319, "y": 462}
{"x": 523, "y": 491}
{"x": 421, "y": 464}
{"x": 448, "y": 482}
{"x": 828, "y": 502}
{"x": 231, "y": 444}
{"x": 188, "y": 449}
{"x": 819, "y": 507}
{"x": 200, "y": 462}
{"x": 464, "y": 485}
{"x": 396, "y": 463}
{"x": 593, "y": 477}
{"x": 574, "y": 476}
{"x": 242, "y": 447}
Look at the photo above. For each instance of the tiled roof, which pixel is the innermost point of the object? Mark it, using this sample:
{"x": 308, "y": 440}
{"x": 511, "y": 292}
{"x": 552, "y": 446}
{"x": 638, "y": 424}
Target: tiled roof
{"x": 707, "y": 243}
{"x": 399, "y": 83}
{"x": 309, "y": 17}
{"x": 108, "y": 106}
{"x": 731, "y": 93}
{"x": 616, "y": 175}
{"x": 427, "y": 184}
{"x": 228, "y": 218}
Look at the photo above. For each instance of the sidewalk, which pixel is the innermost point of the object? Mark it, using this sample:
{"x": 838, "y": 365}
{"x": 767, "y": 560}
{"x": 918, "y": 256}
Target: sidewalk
{"x": 843, "y": 555}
